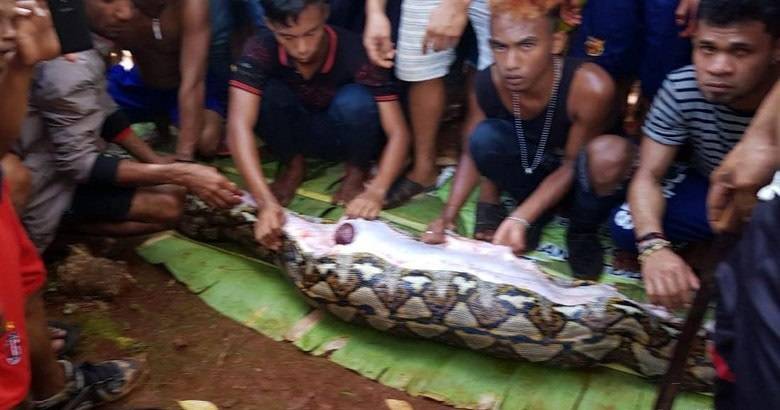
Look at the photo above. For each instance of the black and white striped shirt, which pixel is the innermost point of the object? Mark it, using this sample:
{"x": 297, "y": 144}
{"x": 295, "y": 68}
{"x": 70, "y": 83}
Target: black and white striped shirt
{"x": 680, "y": 114}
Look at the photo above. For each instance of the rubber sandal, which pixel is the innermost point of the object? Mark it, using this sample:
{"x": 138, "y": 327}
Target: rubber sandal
{"x": 488, "y": 217}
{"x": 403, "y": 190}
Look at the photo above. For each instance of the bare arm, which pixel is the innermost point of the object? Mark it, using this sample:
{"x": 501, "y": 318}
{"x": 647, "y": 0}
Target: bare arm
{"x": 242, "y": 116}
{"x": 373, "y": 6}
{"x": 465, "y": 179}
{"x": 645, "y": 196}
{"x": 13, "y": 105}
{"x": 748, "y": 167}
{"x": 141, "y": 151}
{"x": 132, "y": 173}
{"x": 203, "y": 181}
{"x": 466, "y": 175}
{"x": 368, "y": 204}
{"x": 669, "y": 281}
{"x": 397, "y": 149}
{"x": 194, "y": 53}
{"x": 377, "y": 34}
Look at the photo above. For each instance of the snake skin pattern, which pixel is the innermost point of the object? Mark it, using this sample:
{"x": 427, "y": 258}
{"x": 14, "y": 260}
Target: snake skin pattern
{"x": 465, "y": 293}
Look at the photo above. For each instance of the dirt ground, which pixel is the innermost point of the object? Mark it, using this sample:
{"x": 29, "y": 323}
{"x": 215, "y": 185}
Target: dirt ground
{"x": 194, "y": 353}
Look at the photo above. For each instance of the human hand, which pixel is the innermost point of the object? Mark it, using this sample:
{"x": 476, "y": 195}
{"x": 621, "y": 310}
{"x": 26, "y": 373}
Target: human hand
{"x": 36, "y": 39}
{"x": 376, "y": 39}
{"x": 367, "y": 205}
{"x": 735, "y": 183}
{"x": 511, "y": 233}
{"x": 669, "y": 281}
{"x": 685, "y": 16}
{"x": 571, "y": 12}
{"x": 268, "y": 227}
{"x": 446, "y": 25}
{"x": 437, "y": 231}
{"x": 209, "y": 185}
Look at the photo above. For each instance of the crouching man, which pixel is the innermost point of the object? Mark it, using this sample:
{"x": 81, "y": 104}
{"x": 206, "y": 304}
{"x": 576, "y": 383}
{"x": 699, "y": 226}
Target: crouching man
{"x": 310, "y": 91}
{"x": 70, "y": 119}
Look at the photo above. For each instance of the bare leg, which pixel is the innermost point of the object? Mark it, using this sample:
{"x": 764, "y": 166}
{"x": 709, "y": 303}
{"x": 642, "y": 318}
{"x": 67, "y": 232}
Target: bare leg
{"x": 213, "y": 131}
{"x": 352, "y": 186}
{"x": 48, "y": 377}
{"x": 609, "y": 163}
{"x": 288, "y": 180}
{"x": 426, "y": 107}
{"x": 153, "y": 209}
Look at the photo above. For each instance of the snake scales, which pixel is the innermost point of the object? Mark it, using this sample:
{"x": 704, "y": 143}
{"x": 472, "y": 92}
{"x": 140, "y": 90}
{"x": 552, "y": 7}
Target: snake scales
{"x": 465, "y": 293}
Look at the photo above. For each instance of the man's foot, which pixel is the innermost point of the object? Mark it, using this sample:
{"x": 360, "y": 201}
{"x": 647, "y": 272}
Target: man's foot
{"x": 89, "y": 386}
{"x": 64, "y": 337}
{"x": 488, "y": 219}
{"x": 351, "y": 186}
{"x": 586, "y": 256}
{"x": 288, "y": 180}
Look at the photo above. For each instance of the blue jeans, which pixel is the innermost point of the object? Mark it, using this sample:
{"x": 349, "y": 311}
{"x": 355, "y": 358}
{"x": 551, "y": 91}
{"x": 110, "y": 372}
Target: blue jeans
{"x": 348, "y": 130}
{"x": 685, "y": 219}
{"x": 497, "y": 156}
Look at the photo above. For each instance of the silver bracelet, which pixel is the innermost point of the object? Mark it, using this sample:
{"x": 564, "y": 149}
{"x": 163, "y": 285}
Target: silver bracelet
{"x": 522, "y": 221}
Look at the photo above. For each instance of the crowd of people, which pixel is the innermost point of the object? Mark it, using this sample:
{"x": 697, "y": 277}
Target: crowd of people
{"x": 362, "y": 83}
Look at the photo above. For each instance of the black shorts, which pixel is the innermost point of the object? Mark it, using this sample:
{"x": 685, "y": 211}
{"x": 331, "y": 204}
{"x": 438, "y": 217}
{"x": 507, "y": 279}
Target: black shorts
{"x": 101, "y": 203}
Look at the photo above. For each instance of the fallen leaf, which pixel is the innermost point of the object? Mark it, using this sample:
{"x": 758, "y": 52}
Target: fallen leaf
{"x": 197, "y": 405}
{"x": 393, "y": 404}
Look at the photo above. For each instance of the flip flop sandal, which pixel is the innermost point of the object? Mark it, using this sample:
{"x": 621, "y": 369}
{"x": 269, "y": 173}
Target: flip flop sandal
{"x": 72, "y": 334}
{"x": 403, "y": 190}
{"x": 489, "y": 217}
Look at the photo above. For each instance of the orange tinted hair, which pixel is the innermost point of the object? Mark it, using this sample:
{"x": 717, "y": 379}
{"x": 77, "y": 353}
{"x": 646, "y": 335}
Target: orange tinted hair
{"x": 526, "y": 8}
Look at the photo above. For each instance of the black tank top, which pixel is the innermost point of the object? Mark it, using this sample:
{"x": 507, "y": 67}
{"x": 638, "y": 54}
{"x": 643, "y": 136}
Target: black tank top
{"x": 491, "y": 105}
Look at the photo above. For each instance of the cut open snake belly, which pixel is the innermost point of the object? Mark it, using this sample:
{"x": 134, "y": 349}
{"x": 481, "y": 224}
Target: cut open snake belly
{"x": 465, "y": 293}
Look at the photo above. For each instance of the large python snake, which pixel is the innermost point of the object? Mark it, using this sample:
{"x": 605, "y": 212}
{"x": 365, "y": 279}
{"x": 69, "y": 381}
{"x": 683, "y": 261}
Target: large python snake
{"x": 466, "y": 293}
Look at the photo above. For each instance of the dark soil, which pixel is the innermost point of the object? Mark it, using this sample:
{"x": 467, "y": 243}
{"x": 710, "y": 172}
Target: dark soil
{"x": 194, "y": 353}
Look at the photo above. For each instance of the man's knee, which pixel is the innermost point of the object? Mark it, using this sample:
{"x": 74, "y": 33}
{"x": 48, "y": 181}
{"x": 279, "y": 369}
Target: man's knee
{"x": 164, "y": 206}
{"x": 172, "y": 206}
{"x": 609, "y": 162}
{"x": 354, "y": 103}
{"x": 487, "y": 139}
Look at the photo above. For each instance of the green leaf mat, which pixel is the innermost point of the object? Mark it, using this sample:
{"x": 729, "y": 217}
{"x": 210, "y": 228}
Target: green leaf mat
{"x": 258, "y": 295}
